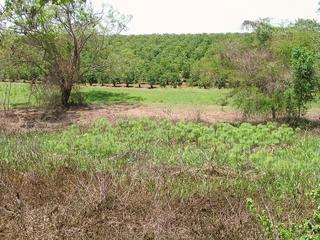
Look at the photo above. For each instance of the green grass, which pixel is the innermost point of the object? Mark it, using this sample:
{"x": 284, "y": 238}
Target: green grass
{"x": 212, "y": 99}
{"x": 165, "y": 96}
{"x": 268, "y": 163}
{"x": 187, "y": 97}
{"x": 21, "y": 96}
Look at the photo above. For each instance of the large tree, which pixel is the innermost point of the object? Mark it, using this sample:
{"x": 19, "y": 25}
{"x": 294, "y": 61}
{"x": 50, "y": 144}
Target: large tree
{"x": 60, "y": 31}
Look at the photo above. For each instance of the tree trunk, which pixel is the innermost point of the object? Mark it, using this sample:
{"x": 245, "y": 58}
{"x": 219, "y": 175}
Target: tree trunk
{"x": 65, "y": 95}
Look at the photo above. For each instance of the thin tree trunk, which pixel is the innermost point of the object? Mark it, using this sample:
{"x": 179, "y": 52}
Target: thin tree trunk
{"x": 65, "y": 95}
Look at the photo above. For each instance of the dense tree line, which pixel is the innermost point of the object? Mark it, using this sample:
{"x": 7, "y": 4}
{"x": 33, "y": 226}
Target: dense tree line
{"x": 153, "y": 59}
{"x": 200, "y": 59}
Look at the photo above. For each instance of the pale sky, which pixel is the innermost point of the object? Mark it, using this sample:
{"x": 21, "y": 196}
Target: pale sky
{"x": 207, "y": 16}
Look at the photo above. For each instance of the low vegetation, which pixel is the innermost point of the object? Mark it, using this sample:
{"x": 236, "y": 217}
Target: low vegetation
{"x": 172, "y": 165}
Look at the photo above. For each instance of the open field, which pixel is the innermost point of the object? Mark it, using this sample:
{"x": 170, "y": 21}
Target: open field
{"x": 152, "y": 164}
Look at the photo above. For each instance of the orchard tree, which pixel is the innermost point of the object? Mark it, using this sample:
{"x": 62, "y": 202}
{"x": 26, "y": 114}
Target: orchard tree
{"x": 60, "y": 30}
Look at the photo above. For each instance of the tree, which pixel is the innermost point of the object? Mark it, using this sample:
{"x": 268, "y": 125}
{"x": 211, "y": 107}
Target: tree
{"x": 263, "y": 81}
{"x": 262, "y": 28}
{"x": 202, "y": 73}
{"x": 304, "y": 83}
{"x": 262, "y": 78}
{"x": 60, "y": 30}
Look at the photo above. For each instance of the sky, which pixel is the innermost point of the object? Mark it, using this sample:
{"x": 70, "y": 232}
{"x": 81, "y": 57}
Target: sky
{"x": 207, "y": 16}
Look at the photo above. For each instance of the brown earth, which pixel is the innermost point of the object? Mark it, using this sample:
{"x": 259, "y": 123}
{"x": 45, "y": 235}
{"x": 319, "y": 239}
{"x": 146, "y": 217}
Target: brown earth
{"x": 26, "y": 120}
{"x": 34, "y": 119}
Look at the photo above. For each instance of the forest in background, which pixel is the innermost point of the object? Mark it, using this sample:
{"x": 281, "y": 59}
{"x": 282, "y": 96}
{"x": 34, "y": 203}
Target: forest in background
{"x": 202, "y": 60}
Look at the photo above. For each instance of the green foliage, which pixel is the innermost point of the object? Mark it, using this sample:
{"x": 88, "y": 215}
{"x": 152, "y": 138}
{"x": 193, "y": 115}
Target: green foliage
{"x": 209, "y": 71}
{"x": 308, "y": 230}
{"x": 304, "y": 84}
{"x": 58, "y": 32}
{"x": 276, "y": 74}
{"x": 307, "y": 25}
{"x": 281, "y": 161}
{"x": 264, "y": 32}
{"x": 194, "y": 144}
{"x": 160, "y": 59}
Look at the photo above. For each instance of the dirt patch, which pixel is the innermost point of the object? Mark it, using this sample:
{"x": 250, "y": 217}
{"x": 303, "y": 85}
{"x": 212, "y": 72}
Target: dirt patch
{"x": 33, "y": 120}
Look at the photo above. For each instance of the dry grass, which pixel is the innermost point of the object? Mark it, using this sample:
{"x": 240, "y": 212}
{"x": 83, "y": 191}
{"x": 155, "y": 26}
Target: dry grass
{"x": 75, "y": 205}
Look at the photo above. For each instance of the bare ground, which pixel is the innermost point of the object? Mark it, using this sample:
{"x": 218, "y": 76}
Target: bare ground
{"x": 35, "y": 119}
{"x": 26, "y": 120}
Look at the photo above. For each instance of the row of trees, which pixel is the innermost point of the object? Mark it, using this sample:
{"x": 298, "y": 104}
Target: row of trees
{"x": 271, "y": 69}
{"x": 154, "y": 59}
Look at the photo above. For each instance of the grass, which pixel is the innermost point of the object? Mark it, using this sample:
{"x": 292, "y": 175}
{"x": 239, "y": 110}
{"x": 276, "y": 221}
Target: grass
{"x": 20, "y": 96}
{"x": 268, "y": 149}
{"x": 163, "y": 96}
{"x": 155, "y": 179}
